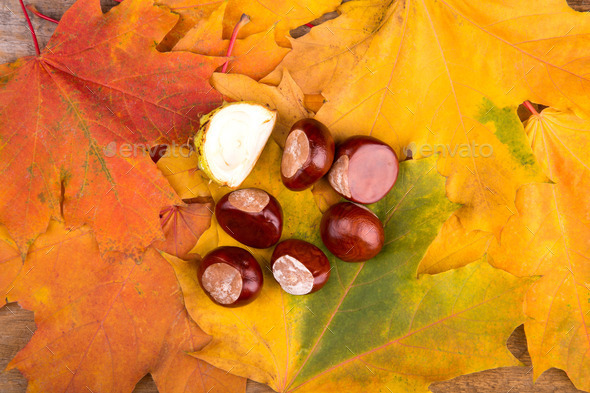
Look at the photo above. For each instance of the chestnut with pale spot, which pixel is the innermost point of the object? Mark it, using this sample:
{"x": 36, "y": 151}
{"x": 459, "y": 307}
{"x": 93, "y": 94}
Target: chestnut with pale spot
{"x": 352, "y": 232}
{"x": 365, "y": 169}
{"x": 230, "y": 276}
{"x": 251, "y": 216}
{"x": 299, "y": 267}
{"x": 308, "y": 154}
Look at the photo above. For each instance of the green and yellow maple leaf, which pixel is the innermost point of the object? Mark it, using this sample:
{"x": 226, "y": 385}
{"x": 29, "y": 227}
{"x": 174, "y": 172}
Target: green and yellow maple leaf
{"x": 370, "y": 315}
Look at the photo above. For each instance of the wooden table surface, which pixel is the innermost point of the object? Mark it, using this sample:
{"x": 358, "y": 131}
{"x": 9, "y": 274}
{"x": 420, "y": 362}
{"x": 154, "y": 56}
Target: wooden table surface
{"x": 17, "y": 325}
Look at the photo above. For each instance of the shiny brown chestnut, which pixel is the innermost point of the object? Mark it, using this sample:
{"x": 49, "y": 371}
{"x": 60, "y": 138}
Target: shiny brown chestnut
{"x": 365, "y": 169}
{"x": 230, "y": 276}
{"x": 299, "y": 267}
{"x": 251, "y": 216}
{"x": 352, "y": 232}
{"x": 308, "y": 154}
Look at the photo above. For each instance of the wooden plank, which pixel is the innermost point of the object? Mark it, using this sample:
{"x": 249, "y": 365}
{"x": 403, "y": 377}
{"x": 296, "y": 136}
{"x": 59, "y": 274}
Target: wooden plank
{"x": 17, "y": 325}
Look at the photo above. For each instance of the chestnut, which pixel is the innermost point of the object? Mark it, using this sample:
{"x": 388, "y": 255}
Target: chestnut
{"x": 308, "y": 154}
{"x": 299, "y": 267}
{"x": 251, "y": 216}
{"x": 352, "y": 232}
{"x": 157, "y": 152}
{"x": 365, "y": 169}
{"x": 230, "y": 276}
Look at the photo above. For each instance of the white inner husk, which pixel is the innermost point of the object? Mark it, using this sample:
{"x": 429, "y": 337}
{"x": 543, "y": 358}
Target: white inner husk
{"x": 235, "y": 138}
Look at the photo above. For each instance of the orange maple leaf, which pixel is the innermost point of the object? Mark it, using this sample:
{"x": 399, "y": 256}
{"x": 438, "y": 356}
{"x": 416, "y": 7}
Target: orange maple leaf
{"x": 183, "y": 226}
{"x": 102, "y": 326}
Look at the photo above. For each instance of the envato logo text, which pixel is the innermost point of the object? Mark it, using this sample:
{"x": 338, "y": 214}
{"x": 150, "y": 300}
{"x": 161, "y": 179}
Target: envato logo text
{"x": 463, "y": 150}
{"x": 128, "y": 150}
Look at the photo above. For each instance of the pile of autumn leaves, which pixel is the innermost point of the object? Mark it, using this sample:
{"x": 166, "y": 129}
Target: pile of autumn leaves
{"x": 476, "y": 244}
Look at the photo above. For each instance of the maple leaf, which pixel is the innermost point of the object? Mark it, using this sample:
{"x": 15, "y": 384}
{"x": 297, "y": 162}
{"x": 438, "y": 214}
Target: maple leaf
{"x": 183, "y": 226}
{"x": 269, "y": 15}
{"x": 254, "y": 56}
{"x": 102, "y": 326}
{"x": 427, "y": 73}
{"x": 454, "y": 247}
{"x": 176, "y": 372}
{"x": 319, "y": 58}
{"x": 550, "y": 235}
{"x": 278, "y": 17}
{"x": 369, "y": 315}
{"x": 180, "y": 167}
{"x": 77, "y": 119}
{"x": 190, "y": 13}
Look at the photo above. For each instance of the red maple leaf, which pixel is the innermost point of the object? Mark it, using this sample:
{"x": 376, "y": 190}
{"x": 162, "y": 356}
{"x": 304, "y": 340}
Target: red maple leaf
{"x": 78, "y": 118}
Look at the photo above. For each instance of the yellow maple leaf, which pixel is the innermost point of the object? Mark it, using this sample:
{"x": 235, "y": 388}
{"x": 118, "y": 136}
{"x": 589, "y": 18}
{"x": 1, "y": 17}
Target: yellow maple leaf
{"x": 275, "y": 18}
{"x": 255, "y": 55}
{"x": 550, "y": 237}
{"x": 454, "y": 247}
{"x": 280, "y": 16}
{"x": 191, "y": 12}
{"x": 442, "y": 76}
{"x": 180, "y": 166}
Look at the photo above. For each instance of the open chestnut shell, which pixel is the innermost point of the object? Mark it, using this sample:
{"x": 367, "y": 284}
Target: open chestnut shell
{"x": 230, "y": 276}
{"x": 365, "y": 169}
{"x": 352, "y": 232}
{"x": 308, "y": 154}
{"x": 299, "y": 267}
{"x": 251, "y": 216}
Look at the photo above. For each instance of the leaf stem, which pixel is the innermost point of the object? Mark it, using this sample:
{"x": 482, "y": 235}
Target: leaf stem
{"x": 530, "y": 107}
{"x": 234, "y": 35}
{"x": 31, "y": 29}
{"x": 171, "y": 212}
{"x": 35, "y": 11}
